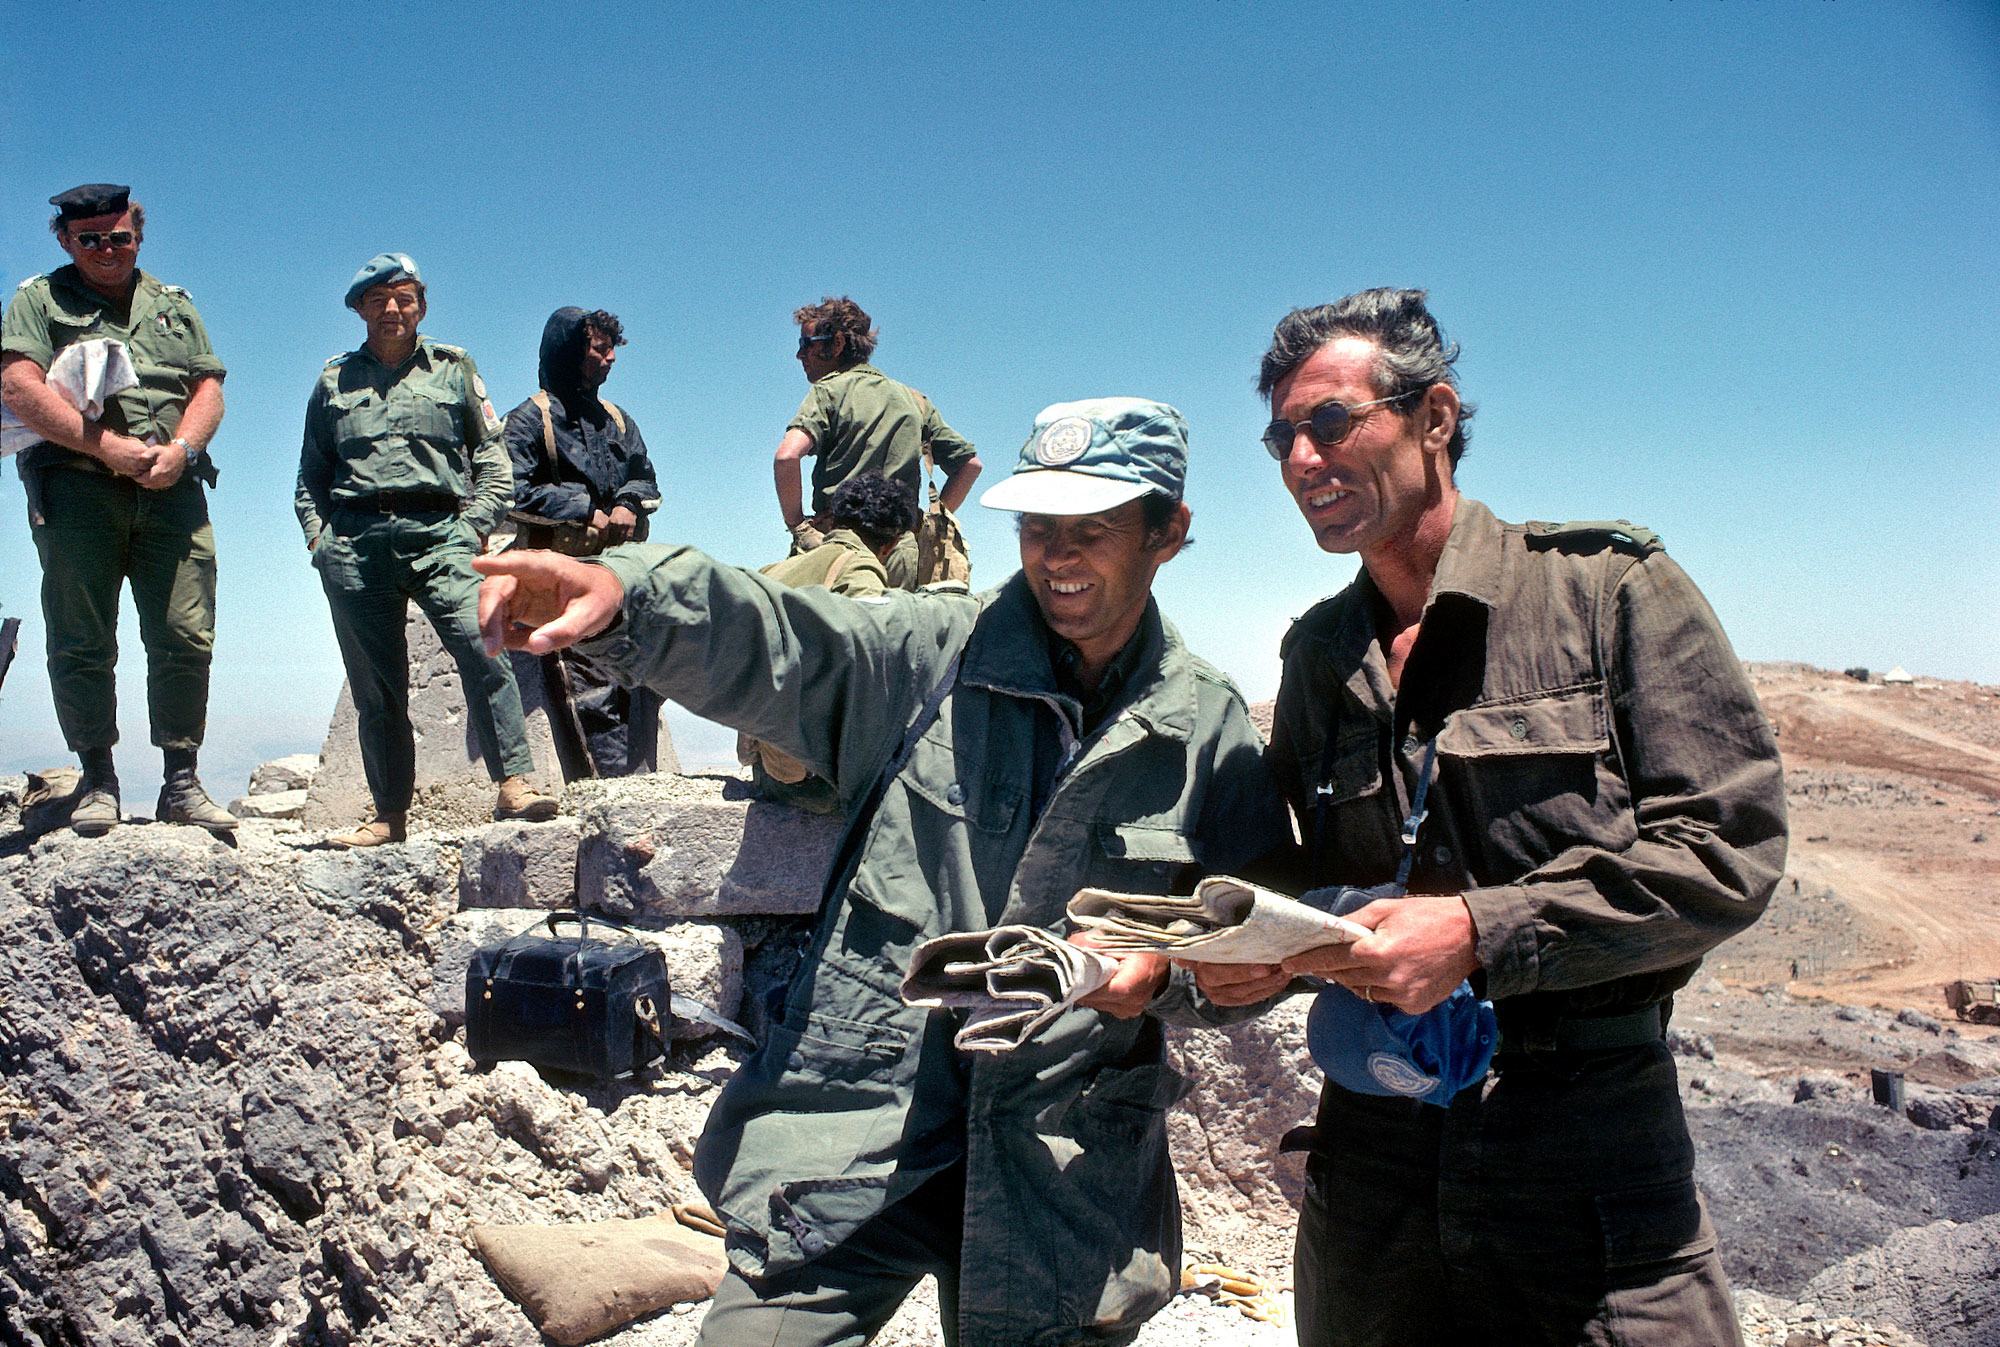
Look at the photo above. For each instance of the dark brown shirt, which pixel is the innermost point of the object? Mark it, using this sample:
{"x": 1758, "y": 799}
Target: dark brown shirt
{"x": 1607, "y": 796}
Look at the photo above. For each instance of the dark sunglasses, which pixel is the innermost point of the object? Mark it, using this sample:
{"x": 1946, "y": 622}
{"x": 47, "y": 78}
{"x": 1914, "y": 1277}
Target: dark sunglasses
{"x": 1329, "y": 424}
{"x": 90, "y": 240}
{"x": 806, "y": 343}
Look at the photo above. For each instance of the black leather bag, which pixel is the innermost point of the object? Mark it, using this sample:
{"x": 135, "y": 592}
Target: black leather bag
{"x": 589, "y": 1007}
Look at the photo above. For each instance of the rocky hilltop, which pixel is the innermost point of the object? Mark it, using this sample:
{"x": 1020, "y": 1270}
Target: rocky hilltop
{"x": 238, "y": 1109}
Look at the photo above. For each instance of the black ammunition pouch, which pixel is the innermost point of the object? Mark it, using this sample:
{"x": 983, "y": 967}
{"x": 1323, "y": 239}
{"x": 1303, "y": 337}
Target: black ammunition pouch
{"x": 580, "y": 1005}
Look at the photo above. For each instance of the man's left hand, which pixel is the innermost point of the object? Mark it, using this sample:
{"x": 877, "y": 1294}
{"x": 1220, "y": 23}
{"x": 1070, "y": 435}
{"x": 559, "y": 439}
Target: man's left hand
{"x": 1422, "y": 948}
{"x": 620, "y": 525}
{"x": 1140, "y": 978}
{"x": 169, "y": 462}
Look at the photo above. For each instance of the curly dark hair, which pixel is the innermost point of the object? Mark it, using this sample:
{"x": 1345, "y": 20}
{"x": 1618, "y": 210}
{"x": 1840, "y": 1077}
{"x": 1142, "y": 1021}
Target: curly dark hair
{"x": 874, "y": 506}
{"x": 605, "y": 324}
{"x": 1415, "y": 352}
{"x": 844, "y": 316}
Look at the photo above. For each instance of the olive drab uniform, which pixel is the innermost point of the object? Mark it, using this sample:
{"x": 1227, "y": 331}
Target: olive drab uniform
{"x": 1608, "y": 802}
{"x": 843, "y": 565}
{"x": 94, "y": 529}
{"x": 401, "y": 474}
{"x": 860, "y": 421}
{"x": 1009, "y": 799}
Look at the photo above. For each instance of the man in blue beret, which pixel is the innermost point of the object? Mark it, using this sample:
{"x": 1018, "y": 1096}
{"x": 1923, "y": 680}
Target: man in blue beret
{"x": 120, "y": 498}
{"x": 401, "y": 476}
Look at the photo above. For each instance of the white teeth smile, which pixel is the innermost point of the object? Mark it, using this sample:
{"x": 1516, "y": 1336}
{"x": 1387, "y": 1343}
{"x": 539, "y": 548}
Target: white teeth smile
{"x": 1319, "y": 500}
{"x": 1070, "y": 587}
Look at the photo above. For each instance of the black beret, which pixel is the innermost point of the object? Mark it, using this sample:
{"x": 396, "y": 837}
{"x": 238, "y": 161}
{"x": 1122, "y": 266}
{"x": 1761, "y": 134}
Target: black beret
{"x": 93, "y": 198}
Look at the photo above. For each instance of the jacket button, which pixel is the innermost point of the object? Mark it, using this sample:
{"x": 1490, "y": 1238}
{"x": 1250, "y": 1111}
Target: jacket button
{"x": 955, "y": 794}
{"x": 1410, "y": 745}
{"x": 813, "y": 1243}
{"x": 1518, "y": 728}
{"x": 1442, "y": 855}
{"x": 796, "y": 1062}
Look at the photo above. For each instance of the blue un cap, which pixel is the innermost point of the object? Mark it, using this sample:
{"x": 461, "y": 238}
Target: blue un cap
{"x": 1094, "y": 455}
{"x": 1371, "y": 1048}
{"x": 382, "y": 269}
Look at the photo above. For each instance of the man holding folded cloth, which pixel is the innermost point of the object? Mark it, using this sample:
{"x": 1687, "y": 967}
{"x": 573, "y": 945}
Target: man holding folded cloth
{"x": 1541, "y": 733}
{"x": 401, "y": 476}
{"x": 996, "y": 754}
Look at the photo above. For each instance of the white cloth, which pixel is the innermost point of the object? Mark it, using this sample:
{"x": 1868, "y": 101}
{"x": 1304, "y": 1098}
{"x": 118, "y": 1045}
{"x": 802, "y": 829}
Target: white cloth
{"x": 1223, "y": 921}
{"x": 1010, "y": 981}
{"x": 88, "y": 374}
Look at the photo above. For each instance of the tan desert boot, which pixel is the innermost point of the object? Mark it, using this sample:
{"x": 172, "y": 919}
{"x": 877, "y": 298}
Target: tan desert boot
{"x": 520, "y": 800}
{"x": 385, "y": 829}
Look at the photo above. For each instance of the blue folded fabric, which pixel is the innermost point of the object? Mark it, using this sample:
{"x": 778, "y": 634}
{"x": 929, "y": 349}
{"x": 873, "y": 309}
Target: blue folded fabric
{"x": 1376, "y": 1049}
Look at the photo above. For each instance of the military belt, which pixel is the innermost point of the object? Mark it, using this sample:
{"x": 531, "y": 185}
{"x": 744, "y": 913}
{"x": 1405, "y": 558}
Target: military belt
{"x": 404, "y": 502}
{"x": 1581, "y": 1033}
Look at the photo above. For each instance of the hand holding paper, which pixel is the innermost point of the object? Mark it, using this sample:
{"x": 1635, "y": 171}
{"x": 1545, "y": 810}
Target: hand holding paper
{"x": 1224, "y": 920}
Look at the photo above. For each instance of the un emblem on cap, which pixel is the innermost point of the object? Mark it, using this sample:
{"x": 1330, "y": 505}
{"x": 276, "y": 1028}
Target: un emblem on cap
{"x": 1397, "y": 1076}
{"x": 1063, "y": 442}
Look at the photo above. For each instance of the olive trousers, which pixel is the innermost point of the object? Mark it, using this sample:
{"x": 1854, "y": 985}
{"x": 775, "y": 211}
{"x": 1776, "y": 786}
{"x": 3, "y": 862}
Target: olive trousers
{"x": 97, "y": 532}
{"x": 371, "y": 565}
{"x": 1551, "y": 1205}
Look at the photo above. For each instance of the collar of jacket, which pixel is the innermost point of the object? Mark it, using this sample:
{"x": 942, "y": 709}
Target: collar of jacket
{"x": 1009, "y": 653}
{"x": 1467, "y": 569}
{"x": 146, "y": 292}
{"x": 420, "y": 356}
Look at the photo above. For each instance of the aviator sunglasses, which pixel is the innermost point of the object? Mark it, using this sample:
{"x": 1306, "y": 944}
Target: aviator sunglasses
{"x": 1329, "y": 424}
{"x": 807, "y": 343}
{"x": 90, "y": 240}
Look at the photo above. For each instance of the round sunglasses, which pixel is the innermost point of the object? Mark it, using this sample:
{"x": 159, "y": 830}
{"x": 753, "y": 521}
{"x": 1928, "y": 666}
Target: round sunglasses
{"x": 1329, "y": 424}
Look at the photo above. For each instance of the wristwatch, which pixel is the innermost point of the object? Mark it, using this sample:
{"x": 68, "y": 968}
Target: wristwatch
{"x": 188, "y": 449}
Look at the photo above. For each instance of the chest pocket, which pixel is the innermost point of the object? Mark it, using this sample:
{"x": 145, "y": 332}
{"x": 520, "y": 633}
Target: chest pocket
{"x": 1145, "y": 858}
{"x": 432, "y": 414}
{"x": 1534, "y": 771}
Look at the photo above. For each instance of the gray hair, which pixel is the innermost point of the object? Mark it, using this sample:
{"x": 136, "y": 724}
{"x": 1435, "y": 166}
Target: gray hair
{"x": 1414, "y": 353}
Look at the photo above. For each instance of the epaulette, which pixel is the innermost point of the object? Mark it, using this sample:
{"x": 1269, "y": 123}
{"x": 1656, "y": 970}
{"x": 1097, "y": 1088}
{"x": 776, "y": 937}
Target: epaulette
{"x": 31, "y": 280}
{"x": 340, "y": 359}
{"x": 1302, "y": 623}
{"x": 177, "y": 291}
{"x": 1593, "y": 532}
{"x": 447, "y": 350}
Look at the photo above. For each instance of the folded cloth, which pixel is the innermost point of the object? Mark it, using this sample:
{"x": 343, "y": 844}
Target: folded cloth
{"x": 1010, "y": 981}
{"x": 1224, "y": 920}
{"x": 87, "y": 374}
{"x": 580, "y": 1281}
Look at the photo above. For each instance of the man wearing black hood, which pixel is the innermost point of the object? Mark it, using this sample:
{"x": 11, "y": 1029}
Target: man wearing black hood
{"x": 582, "y": 483}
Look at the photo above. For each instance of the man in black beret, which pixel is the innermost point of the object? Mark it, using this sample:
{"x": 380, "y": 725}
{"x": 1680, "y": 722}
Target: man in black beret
{"x": 120, "y": 497}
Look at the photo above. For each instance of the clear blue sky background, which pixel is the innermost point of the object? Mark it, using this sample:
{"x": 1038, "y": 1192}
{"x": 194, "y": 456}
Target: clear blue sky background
{"x": 1727, "y": 269}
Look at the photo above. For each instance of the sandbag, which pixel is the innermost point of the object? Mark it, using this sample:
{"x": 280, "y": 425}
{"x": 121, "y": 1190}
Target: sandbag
{"x": 578, "y": 1282}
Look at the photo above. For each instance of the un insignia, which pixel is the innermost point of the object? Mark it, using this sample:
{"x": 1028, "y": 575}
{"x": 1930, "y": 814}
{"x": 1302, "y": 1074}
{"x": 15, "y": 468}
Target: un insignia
{"x": 1398, "y": 1076}
{"x": 1063, "y": 442}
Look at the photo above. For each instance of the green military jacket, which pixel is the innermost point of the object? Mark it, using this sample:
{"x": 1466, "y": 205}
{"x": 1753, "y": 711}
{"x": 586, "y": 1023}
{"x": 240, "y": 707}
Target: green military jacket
{"x": 162, "y": 333}
{"x": 1608, "y": 796}
{"x": 1072, "y": 1221}
{"x": 861, "y": 420}
{"x": 426, "y": 426}
{"x": 843, "y": 563}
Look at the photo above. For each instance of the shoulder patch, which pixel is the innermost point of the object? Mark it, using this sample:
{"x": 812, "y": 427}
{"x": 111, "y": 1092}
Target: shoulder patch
{"x": 1597, "y": 533}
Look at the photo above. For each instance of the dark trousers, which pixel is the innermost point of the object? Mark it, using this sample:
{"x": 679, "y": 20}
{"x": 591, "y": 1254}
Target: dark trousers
{"x": 843, "y": 1297}
{"x": 98, "y": 532}
{"x": 1553, "y": 1204}
{"x": 619, "y": 726}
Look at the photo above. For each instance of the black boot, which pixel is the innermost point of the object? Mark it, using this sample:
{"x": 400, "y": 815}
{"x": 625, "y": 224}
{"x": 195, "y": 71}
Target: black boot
{"x": 96, "y": 811}
{"x": 182, "y": 800}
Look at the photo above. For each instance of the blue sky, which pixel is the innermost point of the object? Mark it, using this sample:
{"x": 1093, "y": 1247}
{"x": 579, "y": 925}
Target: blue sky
{"x": 1726, "y": 269}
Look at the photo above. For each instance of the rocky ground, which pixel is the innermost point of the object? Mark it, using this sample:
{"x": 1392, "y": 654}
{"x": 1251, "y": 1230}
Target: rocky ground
{"x": 238, "y": 1110}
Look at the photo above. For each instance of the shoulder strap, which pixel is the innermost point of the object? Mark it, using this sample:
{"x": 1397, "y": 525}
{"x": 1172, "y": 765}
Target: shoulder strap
{"x": 617, "y": 417}
{"x": 838, "y": 566}
{"x": 924, "y": 433}
{"x": 849, "y": 851}
{"x": 541, "y": 400}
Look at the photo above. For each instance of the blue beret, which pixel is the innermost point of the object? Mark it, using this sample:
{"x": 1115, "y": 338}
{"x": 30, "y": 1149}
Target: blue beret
{"x": 382, "y": 269}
